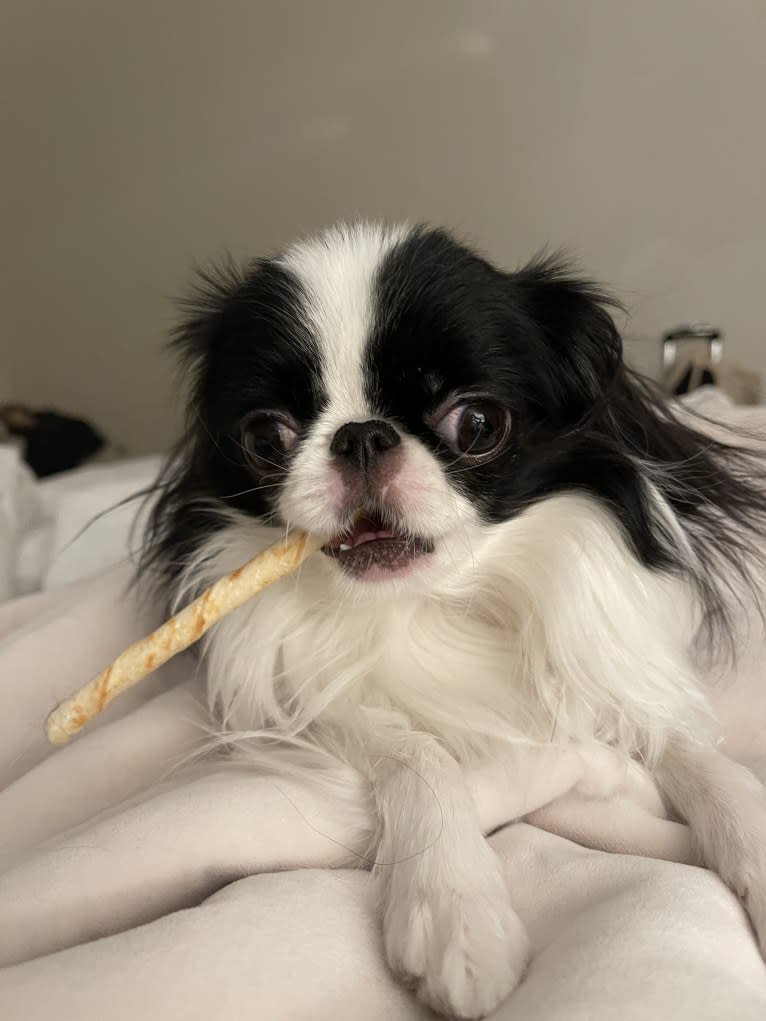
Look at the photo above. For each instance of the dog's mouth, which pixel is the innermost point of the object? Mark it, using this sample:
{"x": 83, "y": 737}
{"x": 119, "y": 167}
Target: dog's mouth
{"x": 371, "y": 548}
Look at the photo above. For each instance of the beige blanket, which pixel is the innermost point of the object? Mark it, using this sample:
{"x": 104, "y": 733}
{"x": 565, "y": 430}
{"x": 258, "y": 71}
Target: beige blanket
{"x": 131, "y": 889}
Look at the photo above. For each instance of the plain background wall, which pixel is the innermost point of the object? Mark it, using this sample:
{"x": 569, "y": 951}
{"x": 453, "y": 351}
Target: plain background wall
{"x": 139, "y": 137}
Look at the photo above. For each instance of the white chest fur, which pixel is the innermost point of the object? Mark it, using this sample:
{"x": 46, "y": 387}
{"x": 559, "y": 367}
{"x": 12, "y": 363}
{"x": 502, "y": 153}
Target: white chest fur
{"x": 554, "y": 633}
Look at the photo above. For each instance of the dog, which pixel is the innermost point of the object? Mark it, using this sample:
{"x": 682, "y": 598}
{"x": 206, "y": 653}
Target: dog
{"x": 522, "y": 544}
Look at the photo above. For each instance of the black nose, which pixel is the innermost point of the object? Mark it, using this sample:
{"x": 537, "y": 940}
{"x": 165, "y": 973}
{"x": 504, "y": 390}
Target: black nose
{"x": 362, "y": 444}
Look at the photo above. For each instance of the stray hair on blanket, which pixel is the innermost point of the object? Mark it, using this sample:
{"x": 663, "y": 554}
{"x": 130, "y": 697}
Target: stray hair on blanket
{"x": 178, "y": 633}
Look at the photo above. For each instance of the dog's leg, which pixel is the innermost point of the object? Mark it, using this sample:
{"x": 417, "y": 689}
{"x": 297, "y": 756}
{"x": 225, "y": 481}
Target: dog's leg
{"x": 449, "y": 926}
{"x": 725, "y": 807}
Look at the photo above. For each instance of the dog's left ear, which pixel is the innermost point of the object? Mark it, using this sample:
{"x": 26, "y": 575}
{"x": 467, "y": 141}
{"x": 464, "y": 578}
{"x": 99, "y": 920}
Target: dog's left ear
{"x": 574, "y": 347}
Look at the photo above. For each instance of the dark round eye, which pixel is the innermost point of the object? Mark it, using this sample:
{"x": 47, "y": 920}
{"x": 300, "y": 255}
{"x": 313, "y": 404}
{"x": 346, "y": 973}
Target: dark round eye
{"x": 267, "y": 436}
{"x": 477, "y": 429}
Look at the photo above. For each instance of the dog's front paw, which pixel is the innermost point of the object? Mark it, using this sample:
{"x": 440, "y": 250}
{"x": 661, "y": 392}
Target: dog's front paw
{"x": 463, "y": 949}
{"x": 729, "y": 826}
{"x": 744, "y": 869}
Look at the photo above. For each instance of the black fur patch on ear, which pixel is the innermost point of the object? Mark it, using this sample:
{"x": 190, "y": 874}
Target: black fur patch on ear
{"x": 203, "y": 309}
{"x": 649, "y": 462}
{"x": 578, "y": 350}
{"x": 243, "y": 337}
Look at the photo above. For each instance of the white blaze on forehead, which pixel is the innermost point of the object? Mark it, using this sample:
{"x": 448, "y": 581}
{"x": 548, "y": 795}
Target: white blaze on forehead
{"x": 337, "y": 269}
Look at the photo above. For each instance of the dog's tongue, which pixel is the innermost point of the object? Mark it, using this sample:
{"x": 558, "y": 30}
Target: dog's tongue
{"x": 364, "y": 529}
{"x": 369, "y": 546}
{"x": 367, "y": 528}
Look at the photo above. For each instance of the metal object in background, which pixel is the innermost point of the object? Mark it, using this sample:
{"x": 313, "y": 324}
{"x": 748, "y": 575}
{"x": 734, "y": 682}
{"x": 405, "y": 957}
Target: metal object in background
{"x": 692, "y": 357}
{"x": 692, "y": 332}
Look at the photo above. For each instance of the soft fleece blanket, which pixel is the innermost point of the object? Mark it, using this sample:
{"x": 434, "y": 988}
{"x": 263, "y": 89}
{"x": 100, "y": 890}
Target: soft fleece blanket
{"x": 130, "y": 888}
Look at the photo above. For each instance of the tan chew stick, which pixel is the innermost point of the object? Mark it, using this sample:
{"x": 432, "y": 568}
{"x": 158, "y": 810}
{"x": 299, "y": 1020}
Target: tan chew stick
{"x": 178, "y": 633}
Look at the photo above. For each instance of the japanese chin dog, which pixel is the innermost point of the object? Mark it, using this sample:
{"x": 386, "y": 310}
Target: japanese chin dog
{"x": 522, "y": 544}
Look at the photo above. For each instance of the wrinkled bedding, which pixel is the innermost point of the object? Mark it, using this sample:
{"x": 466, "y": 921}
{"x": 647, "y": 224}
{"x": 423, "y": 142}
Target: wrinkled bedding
{"x": 132, "y": 885}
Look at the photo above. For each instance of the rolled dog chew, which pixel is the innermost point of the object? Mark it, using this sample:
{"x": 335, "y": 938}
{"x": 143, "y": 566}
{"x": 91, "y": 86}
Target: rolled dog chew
{"x": 178, "y": 633}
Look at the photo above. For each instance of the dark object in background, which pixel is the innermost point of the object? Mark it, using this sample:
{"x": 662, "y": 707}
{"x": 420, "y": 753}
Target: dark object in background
{"x": 53, "y": 442}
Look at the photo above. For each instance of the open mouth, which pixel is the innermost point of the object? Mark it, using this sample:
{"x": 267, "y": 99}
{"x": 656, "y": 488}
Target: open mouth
{"x": 370, "y": 548}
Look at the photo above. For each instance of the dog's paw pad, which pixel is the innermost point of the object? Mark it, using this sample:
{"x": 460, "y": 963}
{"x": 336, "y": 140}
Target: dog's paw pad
{"x": 462, "y": 952}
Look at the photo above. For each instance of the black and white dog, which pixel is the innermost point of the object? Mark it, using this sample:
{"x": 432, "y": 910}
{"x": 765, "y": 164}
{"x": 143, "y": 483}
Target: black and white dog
{"x": 521, "y": 544}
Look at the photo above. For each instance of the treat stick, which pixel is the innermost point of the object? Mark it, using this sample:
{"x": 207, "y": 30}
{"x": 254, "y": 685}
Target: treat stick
{"x": 178, "y": 633}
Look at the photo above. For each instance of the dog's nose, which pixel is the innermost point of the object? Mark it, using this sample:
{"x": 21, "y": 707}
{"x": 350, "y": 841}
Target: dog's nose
{"x": 362, "y": 444}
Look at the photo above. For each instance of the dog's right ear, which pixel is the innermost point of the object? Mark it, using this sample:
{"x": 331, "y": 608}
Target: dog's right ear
{"x": 206, "y": 309}
{"x": 235, "y": 322}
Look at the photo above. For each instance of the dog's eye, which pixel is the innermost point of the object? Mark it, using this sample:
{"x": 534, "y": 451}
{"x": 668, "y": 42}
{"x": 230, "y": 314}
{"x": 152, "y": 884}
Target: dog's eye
{"x": 267, "y": 436}
{"x": 475, "y": 429}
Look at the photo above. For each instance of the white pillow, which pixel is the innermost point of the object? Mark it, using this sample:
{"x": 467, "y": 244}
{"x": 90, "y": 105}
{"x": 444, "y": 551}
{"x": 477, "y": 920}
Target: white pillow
{"x": 52, "y": 553}
{"x": 74, "y": 499}
{"x": 20, "y": 510}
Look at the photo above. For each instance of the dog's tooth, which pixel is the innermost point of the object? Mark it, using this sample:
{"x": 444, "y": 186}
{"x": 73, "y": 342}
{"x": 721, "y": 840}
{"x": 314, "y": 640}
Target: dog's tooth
{"x": 343, "y": 547}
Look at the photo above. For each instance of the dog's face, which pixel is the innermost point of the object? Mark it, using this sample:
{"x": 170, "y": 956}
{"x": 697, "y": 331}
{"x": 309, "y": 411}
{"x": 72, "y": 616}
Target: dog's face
{"x": 391, "y": 391}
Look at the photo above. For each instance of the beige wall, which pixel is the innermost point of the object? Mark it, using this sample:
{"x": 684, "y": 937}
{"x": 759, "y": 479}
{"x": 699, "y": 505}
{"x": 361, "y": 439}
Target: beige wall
{"x": 141, "y": 136}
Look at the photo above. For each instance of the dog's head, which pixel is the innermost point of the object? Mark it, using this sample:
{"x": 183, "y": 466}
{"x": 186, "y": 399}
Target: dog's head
{"x": 390, "y": 390}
